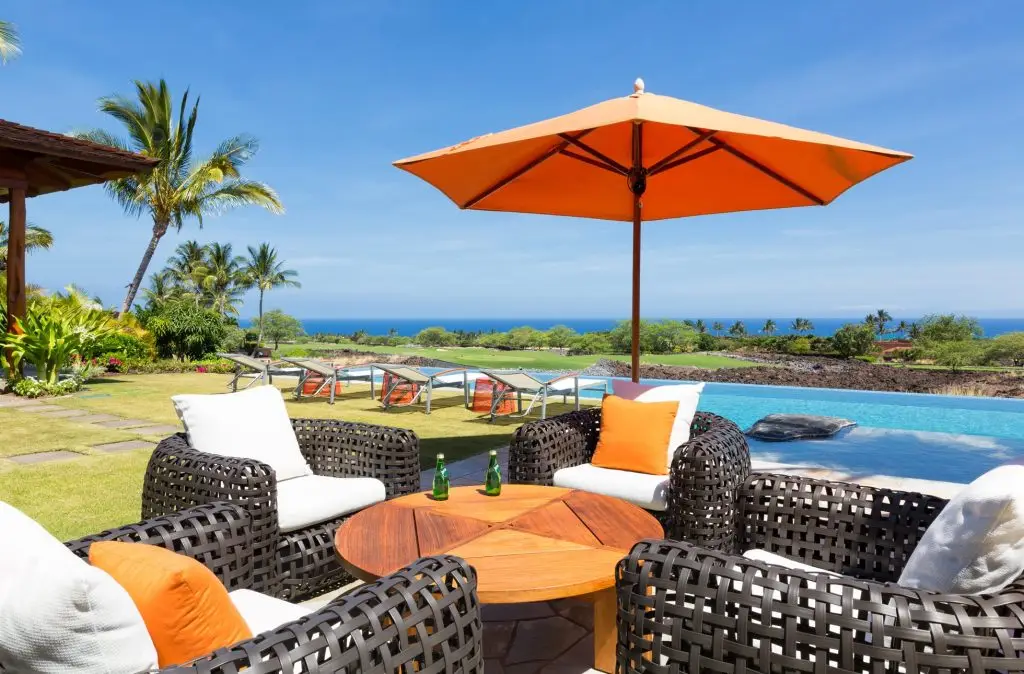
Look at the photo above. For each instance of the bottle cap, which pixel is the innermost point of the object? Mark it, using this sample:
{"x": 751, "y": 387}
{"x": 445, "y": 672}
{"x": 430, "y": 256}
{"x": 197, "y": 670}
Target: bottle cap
{"x": 494, "y": 452}
{"x": 440, "y": 456}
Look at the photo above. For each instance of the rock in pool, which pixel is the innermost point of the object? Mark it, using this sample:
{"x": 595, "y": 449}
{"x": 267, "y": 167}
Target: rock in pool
{"x": 782, "y": 427}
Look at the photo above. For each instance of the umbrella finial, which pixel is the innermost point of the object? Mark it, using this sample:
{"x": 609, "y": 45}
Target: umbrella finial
{"x": 638, "y": 86}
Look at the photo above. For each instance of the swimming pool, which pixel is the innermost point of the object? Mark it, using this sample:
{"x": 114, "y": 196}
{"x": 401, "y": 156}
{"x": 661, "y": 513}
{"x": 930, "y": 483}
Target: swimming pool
{"x": 933, "y": 437}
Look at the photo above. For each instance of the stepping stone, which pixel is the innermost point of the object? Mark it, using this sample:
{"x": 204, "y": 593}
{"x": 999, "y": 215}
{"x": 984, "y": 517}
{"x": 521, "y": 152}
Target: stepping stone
{"x": 64, "y": 414}
{"x": 97, "y": 418}
{"x": 159, "y": 429}
{"x": 118, "y": 422}
{"x": 39, "y": 409}
{"x": 124, "y": 446}
{"x": 16, "y": 401}
{"x": 43, "y": 457}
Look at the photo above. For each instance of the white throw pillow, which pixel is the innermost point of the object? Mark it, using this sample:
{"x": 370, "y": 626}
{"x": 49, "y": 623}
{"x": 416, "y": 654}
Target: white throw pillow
{"x": 688, "y": 396}
{"x": 58, "y": 614}
{"x": 251, "y": 424}
{"x": 976, "y": 544}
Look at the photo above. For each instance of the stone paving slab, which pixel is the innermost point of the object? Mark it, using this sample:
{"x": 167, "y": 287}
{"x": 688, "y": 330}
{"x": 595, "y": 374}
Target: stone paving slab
{"x": 39, "y": 409}
{"x": 43, "y": 457}
{"x": 96, "y": 418}
{"x": 118, "y": 422}
{"x": 159, "y": 429}
{"x": 17, "y": 401}
{"x": 124, "y": 446}
{"x": 65, "y": 414}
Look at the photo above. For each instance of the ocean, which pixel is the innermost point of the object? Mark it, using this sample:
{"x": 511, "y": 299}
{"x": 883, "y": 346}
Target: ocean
{"x": 408, "y": 327}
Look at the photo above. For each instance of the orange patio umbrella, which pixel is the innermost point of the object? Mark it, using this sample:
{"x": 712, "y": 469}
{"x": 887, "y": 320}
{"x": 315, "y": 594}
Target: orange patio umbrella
{"x": 648, "y": 157}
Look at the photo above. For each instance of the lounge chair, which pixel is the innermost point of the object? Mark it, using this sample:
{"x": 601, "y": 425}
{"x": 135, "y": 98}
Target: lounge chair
{"x": 458, "y": 377}
{"x": 331, "y": 375}
{"x": 247, "y": 367}
{"x": 521, "y": 382}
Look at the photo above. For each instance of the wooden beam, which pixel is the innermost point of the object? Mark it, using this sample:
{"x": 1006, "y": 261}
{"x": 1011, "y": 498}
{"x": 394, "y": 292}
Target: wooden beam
{"x": 16, "y": 258}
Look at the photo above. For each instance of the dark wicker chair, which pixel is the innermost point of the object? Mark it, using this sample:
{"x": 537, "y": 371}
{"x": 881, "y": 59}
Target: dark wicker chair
{"x": 296, "y": 564}
{"x": 424, "y": 617}
{"x": 683, "y": 607}
{"x": 705, "y": 474}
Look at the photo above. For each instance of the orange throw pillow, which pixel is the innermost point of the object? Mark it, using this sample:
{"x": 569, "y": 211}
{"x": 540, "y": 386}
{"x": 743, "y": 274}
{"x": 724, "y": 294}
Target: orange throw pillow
{"x": 187, "y": 611}
{"x": 634, "y": 435}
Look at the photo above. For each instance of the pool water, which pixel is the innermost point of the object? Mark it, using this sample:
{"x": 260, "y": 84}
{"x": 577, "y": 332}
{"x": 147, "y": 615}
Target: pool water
{"x": 933, "y": 437}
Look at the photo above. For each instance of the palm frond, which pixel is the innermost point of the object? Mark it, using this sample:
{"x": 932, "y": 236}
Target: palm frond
{"x": 241, "y": 193}
{"x": 10, "y": 43}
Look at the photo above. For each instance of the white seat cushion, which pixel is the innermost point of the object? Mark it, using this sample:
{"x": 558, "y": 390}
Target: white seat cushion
{"x": 263, "y": 613}
{"x": 976, "y": 544}
{"x": 760, "y": 555}
{"x": 251, "y": 424}
{"x": 304, "y": 501}
{"x": 688, "y": 396}
{"x": 647, "y": 491}
{"x": 58, "y": 614}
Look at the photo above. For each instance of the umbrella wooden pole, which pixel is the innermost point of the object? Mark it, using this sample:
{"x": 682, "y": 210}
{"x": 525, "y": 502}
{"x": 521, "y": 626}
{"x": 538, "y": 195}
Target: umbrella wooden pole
{"x": 635, "y": 362}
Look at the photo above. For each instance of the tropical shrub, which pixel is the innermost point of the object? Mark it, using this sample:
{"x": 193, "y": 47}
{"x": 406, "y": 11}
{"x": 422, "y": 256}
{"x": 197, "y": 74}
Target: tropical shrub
{"x": 559, "y": 337}
{"x": 957, "y": 354}
{"x": 51, "y": 333}
{"x": 1007, "y": 348}
{"x": 186, "y": 331}
{"x": 800, "y": 346}
{"x": 169, "y": 366}
{"x": 525, "y": 338}
{"x": 853, "y": 339}
{"x": 947, "y": 328}
{"x": 655, "y": 337}
{"x": 235, "y": 340}
{"x": 30, "y": 387}
{"x": 706, "y": 342}
{"x": 127, "y": 345}
{"x": 589, "y": 344}
{"x": 435, "y": 336}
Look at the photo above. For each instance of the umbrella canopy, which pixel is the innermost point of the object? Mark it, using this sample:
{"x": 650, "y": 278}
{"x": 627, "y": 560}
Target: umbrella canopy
{"x": 648, "y": 157}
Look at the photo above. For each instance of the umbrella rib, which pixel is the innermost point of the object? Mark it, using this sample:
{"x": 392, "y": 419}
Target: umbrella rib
{"x": 685, "y": 160}
{"x": 592, "y": 162}
{"x": 659, "y": 166}
{"x": 566, "y": 139}
{"x": 771, "y": 173}
{"x": 591, "y": 151}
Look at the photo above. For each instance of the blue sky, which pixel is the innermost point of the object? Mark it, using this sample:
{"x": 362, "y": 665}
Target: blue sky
{"x": 336, "y": 91}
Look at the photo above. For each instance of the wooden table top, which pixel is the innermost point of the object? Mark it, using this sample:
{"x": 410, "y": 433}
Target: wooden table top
{"x": 529, "y": 544}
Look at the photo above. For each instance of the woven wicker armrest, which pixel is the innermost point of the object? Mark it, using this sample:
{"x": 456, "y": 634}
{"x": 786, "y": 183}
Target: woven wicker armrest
{"x": 218, "y": 535}
{"x": 422, "y": 618}
{"x": 851, "y": 529}
{"x": 683, "y": 608}
{"x": 179, "y": 477}
{"x": 706, "y": 473}
{"x": 345, "y": 449}
{"x": 540, "y": 448}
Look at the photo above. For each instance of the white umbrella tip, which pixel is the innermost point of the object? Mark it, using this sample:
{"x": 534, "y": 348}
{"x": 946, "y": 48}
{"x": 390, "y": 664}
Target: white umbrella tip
{"x": 638, "y": 86}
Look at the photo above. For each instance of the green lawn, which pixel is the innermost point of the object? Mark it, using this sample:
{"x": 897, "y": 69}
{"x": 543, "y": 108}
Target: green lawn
{"x": 79, "y": 496}
{"x": 529, "y": 360}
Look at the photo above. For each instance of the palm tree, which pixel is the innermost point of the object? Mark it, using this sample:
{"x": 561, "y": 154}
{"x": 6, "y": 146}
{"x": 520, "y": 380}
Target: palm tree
{"x": 224, "y": 281}
{"x": 264, "y": 272}
{"x": 10, "y": 43}
{"x": 737, "y": 329}
{"x": 769, "y": 327}
{"x": 901, "y": 328}
{"x": 36, "y": 238}
{"x": 702, "y": 328}
{"x": 180, "y": 187}
{"x": 161, "y": 288}
{"x": 801, "y": 325}
{"x": 188, "y": 267}
{"x": 881, "y": 317}
{"x": 718, "y": 327}
{"x": 914, "y": 331}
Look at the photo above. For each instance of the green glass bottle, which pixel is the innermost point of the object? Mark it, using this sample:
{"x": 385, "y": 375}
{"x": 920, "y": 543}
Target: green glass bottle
{"x": 440, "y": 480}
{"x": 492, "y": 480}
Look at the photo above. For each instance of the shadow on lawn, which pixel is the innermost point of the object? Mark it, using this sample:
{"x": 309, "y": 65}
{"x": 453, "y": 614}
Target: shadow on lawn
{"x": 455, "y": 448}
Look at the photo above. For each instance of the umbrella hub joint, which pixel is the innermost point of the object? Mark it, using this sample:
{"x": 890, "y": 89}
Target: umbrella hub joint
{"x": 637, "y": 179}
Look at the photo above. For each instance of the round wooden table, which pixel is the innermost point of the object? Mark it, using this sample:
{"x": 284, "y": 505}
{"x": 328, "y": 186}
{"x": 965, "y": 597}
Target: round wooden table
{"x": 529, "y": 544}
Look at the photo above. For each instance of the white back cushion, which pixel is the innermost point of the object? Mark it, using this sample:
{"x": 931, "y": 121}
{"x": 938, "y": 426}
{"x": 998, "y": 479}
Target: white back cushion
{"x": 688, "y": 395}
{"x": 58, "y": 614}
{"x": 251, "y": 424}
{"x": 976, "y": 544}
{"x": 311, "y": 499}
{"x": 263, "y": 613}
